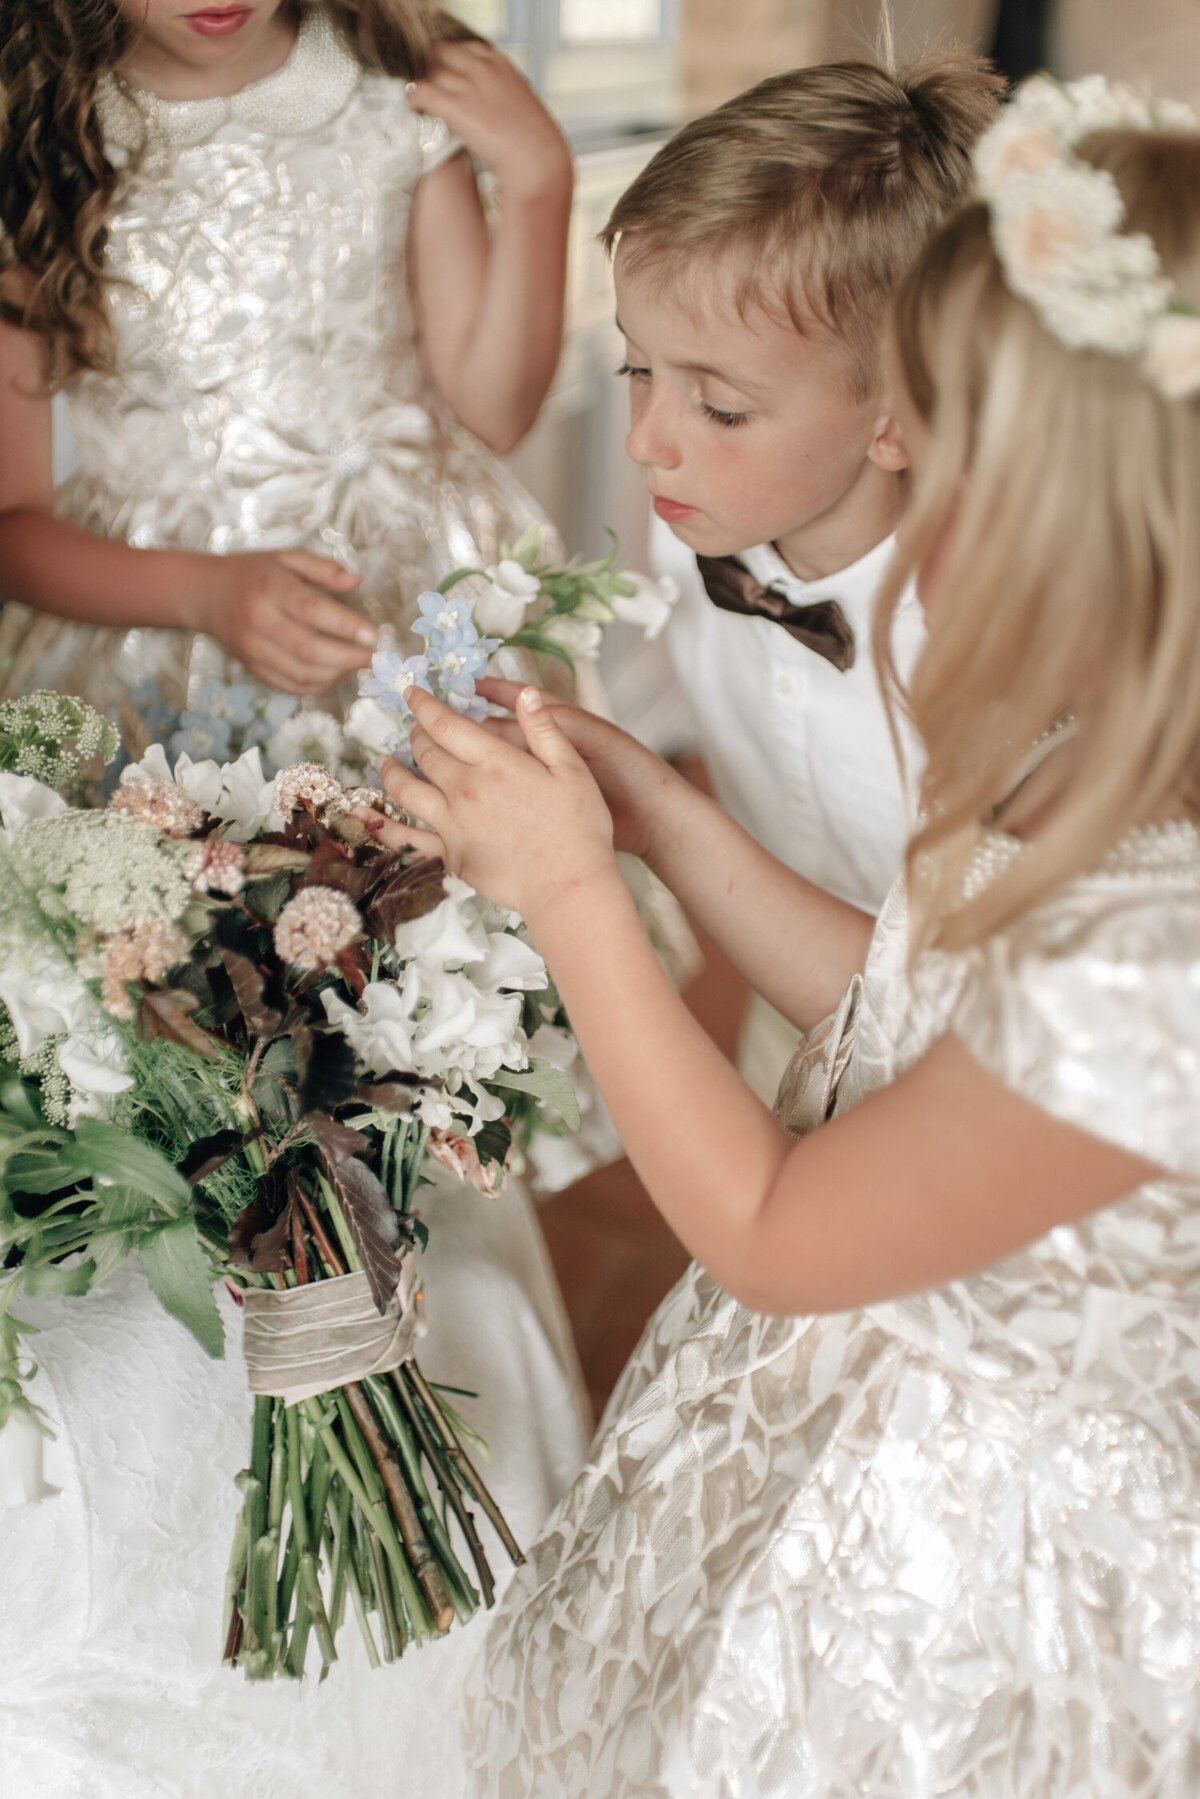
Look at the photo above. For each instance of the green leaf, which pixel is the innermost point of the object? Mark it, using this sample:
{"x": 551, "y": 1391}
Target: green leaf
{"x": 549, "y": 1084}
{"x": 105, "y": 1153}
{"x": 457, "y": 575}
{"x": 179, "y": 1273}
{"x": 57, "y": 1279}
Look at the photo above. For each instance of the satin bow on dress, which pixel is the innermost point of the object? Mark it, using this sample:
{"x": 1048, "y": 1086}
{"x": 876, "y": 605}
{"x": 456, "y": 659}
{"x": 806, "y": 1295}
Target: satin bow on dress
{"x": 821, "y": 626}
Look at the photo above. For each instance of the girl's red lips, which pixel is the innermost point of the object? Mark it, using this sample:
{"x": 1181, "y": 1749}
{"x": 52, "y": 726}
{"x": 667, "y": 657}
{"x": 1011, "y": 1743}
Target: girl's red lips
{"x": 218, "y": 21}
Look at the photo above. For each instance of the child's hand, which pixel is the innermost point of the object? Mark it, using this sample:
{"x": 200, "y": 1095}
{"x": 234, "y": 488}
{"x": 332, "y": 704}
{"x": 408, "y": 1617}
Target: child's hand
{"x": 275, "y": 615}
{"x": 522, "y": 825}
{"x": 639, "y": 788}
{"x": 487, "y": 102}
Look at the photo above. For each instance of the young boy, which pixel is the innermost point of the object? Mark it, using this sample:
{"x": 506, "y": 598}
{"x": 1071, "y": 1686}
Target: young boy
{"x": 754, "y": 259}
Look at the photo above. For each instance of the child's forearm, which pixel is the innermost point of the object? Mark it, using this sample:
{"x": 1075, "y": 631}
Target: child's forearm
{"x": 791, "y": 941}
{"x": 54, "y": 566}
{"x": 701, "y": 1141}
{"x": 512, "y": 353}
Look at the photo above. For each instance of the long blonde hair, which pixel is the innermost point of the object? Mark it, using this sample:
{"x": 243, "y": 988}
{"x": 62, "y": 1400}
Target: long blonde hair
{"x": 1064, "y": 493}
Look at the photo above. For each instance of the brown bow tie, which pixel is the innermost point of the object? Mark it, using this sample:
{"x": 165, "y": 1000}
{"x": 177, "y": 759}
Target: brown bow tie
{"x": 822, "y": 627}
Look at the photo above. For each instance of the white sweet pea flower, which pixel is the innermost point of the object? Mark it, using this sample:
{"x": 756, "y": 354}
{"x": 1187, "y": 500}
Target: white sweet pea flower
{"x": 461, "y": 1030}
{"x": 448, "y": 937}
{"x": 93, "y": 1062}
{"x": 47, "y": 1002}
{"x": 549, "y": 1044}
{"x": 22, "y": 799}
{"x": 579, "y": 637}
{"x": 380, "y": 1031}
{"x": 374, "y": 728}
{"x": 500, "y": 612}
{"x": 650, "y": 607}
{"x": 477, "y": 1106}
{"x": 201, "y": 781}
{"x": 246, "y": 804}
{"x": 510, "y": 963}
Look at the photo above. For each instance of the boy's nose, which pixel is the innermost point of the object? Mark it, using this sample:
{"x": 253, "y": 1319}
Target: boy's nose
{"x": 651, "y": 442}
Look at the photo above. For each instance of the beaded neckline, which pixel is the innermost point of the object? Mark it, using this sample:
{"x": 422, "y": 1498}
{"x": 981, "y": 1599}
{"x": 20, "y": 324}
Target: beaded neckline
{"x": 1166, "y": 851}
{"x": 304, "y": 93}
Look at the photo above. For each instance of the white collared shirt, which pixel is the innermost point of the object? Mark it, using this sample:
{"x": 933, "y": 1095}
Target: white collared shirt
{"x": 799, "y": 752}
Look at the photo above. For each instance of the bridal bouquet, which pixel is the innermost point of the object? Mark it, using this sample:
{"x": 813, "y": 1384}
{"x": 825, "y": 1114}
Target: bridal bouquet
{"x": 235, "y": 1034}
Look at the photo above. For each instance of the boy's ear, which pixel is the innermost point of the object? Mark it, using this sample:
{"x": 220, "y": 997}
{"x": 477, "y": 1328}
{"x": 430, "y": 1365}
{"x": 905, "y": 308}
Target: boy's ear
{"x": 886, "y": 449}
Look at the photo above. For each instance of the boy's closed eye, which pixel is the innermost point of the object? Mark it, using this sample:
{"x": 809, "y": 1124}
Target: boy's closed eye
{"x": 721, "y": 415}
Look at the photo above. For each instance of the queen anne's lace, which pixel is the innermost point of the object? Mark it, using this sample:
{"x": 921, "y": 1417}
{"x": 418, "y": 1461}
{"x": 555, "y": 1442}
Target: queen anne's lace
{"x": 1056, "y": 226}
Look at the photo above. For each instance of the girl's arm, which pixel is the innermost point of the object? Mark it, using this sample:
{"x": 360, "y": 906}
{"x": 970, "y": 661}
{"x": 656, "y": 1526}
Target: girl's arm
{"x": 489, "y": 309}
{"x": 929, "y": 1179}
{"x": 734, "y": 890}
{"x": 273, "y": 612}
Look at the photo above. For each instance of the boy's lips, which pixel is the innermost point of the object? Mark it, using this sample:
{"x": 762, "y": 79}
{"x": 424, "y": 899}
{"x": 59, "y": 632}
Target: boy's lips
{"x": 672, "y": 510}
{"x": 218, "y": 21}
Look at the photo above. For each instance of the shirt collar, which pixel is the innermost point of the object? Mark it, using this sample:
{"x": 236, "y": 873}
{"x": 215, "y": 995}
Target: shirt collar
{"x": 855, "y": 588}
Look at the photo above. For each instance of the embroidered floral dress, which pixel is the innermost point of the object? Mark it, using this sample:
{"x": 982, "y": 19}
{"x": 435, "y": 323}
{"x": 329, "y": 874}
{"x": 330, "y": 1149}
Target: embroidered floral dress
{"x": 946, "y": 1545}
{"x": 270, "y": 392}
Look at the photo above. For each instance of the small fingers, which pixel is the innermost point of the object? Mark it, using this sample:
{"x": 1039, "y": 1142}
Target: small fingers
{"x": 460, "y": 737}
{"x": 396, "y": 836}
{"x": 323, "y": 571}
{"x": 410, "y": 793}
{"x": 330, "y": 618}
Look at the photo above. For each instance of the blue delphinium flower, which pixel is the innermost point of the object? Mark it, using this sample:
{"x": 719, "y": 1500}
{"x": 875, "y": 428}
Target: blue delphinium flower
{"x": 444, "y": 620}
{"x": 200, "y": 737}
{"x": 391, "y": 677}
{"x": 234, "y": 702}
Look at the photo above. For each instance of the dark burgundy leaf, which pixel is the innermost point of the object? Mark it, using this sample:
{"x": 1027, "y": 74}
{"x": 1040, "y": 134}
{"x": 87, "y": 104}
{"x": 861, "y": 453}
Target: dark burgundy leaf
{"x": 168, "y": 1014}
{"x": 336, "y": 1139}
{"x": 327, "y": 1070}
{"x": 365, "y": 1206}
{"x": 273, "y": 858}
{"x": 332, "y": 864}
{"x": 395, "y": 1095}
{"x": 258, "y": 1236}
{"x": 404, "y": 894}
{"x": 210, "y": 1153}
{"x": 250, "y": 988}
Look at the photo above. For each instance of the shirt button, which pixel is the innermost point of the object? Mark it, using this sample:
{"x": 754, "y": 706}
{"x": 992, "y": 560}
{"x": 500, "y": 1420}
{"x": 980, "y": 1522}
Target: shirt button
{"x": 783, "y": 684}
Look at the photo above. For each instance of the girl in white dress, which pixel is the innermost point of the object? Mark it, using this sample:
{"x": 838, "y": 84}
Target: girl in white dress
{"x": 260, "y": 265}
{"x": 901, "y": 1493}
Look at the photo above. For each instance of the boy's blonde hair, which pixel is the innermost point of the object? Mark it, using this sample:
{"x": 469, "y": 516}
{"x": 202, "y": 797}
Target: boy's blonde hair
{"x": 820, "y": 185}
{"x": 1062, "y": 493}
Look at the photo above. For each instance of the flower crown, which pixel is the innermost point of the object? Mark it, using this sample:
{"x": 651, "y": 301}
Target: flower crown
{"x": 1056, "y": 227}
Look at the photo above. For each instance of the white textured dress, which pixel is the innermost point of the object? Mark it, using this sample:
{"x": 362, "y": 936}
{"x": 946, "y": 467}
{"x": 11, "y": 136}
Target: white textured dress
{"x": 949, "y": 1545}
{"x": 270, "y": 394}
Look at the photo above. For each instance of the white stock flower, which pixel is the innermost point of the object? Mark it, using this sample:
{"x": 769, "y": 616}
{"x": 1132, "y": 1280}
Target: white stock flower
{"x": 1173, "y": 355}
{"x": 379, "y": 1031}
{"x": 579, "y": 637}
{"x": 650, "y": 607}
{"x": 448, "y": 937}
{"x": 500, "y": 610}
{"x": 22, "y": 799}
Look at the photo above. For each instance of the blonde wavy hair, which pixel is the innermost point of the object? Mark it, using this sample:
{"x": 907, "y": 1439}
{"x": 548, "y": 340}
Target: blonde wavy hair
{"x": 57, "y": 185}
{"x": 1062, "y": 497}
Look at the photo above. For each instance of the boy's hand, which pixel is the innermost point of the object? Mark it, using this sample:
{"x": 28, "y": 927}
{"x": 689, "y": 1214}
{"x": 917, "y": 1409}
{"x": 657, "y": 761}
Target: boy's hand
{"x": 522, "y": 825}
{"x": 487, "y": 102}
{"x": 638, "y": 786}
{"x": 275, "y": 614}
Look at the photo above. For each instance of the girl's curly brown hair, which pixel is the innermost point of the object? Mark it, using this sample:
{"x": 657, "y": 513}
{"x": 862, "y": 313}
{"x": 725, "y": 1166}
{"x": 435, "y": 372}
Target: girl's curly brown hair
{"x": 57, "y": 184}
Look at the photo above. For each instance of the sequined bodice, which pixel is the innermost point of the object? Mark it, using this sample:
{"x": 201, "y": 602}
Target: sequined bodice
{"x": 947, "y": 1544}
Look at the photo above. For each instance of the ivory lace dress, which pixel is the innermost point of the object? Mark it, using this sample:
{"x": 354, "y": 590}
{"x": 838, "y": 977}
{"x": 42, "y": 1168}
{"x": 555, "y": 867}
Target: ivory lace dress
{"x": 270, "y": 394}
{"x": 949, "y": 1545}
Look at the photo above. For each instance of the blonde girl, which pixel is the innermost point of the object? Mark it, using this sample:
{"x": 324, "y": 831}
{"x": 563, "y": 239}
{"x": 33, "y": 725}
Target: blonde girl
{"x": 901, "y": 1492}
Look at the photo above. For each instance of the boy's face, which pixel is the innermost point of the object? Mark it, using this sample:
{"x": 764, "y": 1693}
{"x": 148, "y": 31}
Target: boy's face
{"x": 746, "y": 431}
